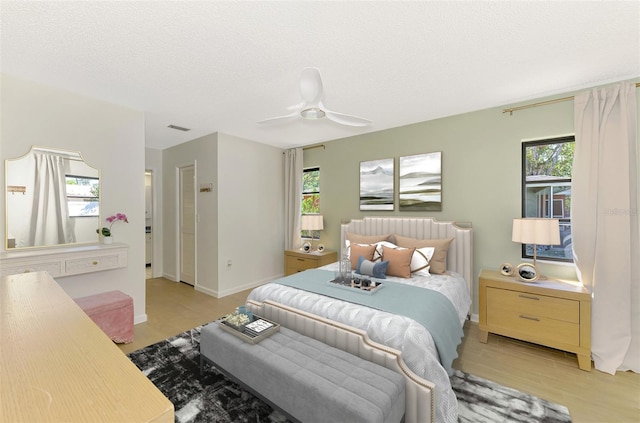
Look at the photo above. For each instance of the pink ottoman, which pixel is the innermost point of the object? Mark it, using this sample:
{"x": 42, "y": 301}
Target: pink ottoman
{"x": 113, "y": 312}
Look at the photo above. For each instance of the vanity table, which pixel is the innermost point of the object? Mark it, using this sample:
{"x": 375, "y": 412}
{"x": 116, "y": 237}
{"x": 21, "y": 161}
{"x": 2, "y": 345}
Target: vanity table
{"x": 59, "y": 366}
{"x": 65, "y": 261}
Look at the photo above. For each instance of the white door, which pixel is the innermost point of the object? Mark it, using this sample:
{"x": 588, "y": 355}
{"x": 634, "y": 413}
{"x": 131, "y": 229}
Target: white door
{"x": 187, "y": 225}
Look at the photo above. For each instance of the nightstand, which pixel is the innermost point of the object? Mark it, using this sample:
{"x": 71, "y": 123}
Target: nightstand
{"x": 298, "y": 261}
{"x": 548, "y": 312}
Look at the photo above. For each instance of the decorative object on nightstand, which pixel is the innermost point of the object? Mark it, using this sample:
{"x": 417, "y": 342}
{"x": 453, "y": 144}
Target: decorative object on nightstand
{"x": 320, "y": 248}
{"x": 507, "y": 269}
{"x": 536, "y": 231}
{"x": 311, "y": 222}
{"x": 527, "y": 272}
{"x": 552, "y": 313}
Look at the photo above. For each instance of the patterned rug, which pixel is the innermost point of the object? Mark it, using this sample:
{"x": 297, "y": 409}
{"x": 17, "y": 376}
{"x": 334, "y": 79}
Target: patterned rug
{"x": 173, "y": 365}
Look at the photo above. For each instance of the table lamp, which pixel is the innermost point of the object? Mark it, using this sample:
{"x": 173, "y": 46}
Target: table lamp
{"x": 536, "y": 231}
{"x": 311, "y": 222}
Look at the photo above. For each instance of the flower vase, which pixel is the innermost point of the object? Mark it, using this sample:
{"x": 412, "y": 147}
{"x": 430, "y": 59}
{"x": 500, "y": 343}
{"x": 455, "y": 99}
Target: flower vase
{"x": 107, "y": 240}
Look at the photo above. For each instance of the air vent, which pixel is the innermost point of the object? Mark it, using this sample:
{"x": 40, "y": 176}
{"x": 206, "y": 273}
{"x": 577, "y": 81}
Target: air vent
{"x": 179, "y": 128}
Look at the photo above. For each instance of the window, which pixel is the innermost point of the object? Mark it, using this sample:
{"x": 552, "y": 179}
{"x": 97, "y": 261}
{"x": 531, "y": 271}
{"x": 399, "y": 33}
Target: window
{"x": 311, "y": 196}
{"x": 83, "y": 195}
{"x": 546, "y": 191}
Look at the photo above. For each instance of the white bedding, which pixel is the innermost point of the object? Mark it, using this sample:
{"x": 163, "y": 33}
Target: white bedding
{"x": 402, "y": 333}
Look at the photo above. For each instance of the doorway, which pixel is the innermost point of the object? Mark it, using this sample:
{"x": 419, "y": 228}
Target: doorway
{"x": 148, "y": 222}
{"x": 187, "y": 224}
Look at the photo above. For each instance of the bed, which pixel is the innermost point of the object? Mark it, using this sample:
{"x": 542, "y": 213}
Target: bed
{"x": 391, "y": 328}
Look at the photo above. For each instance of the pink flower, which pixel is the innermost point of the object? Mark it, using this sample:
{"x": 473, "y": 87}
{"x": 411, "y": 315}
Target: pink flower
{"x": 111, "y": 220}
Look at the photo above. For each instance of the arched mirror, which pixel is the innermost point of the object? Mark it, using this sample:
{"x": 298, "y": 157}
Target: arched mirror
{"x": 52, "y": 198}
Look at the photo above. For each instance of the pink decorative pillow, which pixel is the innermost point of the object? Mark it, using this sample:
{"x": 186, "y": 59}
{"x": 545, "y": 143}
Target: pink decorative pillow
{"x": 399, "y": 261}
{"x": 438, "y": 262}
{"x": 366, "y": 239}
{"x": 357, "y": 250}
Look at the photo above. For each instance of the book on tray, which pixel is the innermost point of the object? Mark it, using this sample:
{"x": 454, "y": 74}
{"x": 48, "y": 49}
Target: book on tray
{"x": 257, "y": 327}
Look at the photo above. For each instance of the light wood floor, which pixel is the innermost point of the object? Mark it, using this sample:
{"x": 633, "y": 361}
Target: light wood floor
{"x": 547, "y": 373}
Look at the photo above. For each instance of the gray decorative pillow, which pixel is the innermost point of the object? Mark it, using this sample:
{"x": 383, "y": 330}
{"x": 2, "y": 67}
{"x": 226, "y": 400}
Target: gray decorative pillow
{"x": 369, "y": 268}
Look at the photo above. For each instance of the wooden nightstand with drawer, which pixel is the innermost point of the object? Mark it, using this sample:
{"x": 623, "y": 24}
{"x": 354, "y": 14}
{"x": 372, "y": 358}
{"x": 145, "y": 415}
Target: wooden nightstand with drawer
{"x": 298, "y": 261}
{"x": 547, "y": 312}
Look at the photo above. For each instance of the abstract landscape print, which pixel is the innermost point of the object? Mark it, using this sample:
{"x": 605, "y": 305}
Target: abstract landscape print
{"x": 421, "y": 182}
{"x": 376, "y": 185}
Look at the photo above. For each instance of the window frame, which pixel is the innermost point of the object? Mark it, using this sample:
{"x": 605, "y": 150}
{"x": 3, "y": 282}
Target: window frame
{"x": 303, "y": 233}
{"x": 547, "y": 182}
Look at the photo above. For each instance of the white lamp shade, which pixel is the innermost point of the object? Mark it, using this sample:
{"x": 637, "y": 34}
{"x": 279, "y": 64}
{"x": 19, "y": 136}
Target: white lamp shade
{"x": 311, "y": 222}
{"x": 536, "y": 231}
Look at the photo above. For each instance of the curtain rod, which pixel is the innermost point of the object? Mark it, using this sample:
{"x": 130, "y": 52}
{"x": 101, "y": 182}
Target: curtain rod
{"x": 314, "y": 146}
{"x": 543, "y": 103}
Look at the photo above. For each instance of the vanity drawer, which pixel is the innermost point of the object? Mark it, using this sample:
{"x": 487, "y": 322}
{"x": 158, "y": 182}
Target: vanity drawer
{"x": 93, "y": 264}
{"x": 54, "y": 268}
{"x": 533, "y": 304}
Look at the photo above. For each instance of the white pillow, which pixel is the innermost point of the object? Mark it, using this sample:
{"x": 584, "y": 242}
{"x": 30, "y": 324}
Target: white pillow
{"x": 419, "y": 260}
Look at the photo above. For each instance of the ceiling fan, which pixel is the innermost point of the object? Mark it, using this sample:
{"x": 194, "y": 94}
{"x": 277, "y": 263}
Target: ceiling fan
{"x": 312, "y": 108}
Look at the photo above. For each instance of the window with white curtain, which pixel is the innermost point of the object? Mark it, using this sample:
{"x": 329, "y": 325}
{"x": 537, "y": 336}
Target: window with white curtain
{"x": 546, "y": 191}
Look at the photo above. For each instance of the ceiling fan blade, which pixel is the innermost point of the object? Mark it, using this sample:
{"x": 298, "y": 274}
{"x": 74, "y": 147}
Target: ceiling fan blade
{"x": 280, "y": 118}
{"x": 348, "y": 120}
{"x": 311, "y": 86}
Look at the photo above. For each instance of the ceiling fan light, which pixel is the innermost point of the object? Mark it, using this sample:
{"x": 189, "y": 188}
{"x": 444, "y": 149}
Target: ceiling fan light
{"x": 312, "y": 113}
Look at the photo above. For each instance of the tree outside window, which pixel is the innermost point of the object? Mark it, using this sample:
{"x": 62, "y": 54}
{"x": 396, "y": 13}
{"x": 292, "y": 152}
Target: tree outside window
{"x": 311, "y": 196}
{"x": 546, "y": 191}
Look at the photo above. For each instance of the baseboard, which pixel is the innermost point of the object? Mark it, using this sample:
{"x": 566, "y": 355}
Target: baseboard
{"x": 169, "y": 276}
{"x": 475, "y": 318}
{"x": 140, "y": 318}
{"x": 235, "y": 289}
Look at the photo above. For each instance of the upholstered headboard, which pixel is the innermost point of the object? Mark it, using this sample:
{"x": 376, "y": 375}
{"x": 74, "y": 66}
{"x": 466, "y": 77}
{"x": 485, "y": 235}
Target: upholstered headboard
{"x": 459, "y": 255}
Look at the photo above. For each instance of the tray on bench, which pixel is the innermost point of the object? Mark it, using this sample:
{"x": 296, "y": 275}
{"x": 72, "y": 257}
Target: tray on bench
{"x": 248, "y": 336}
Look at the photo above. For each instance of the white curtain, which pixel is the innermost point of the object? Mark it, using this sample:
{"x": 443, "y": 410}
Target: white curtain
{"x": 605, "y": 223}
{"x": 292, "y": 197}
{"x": 50, "y": 223}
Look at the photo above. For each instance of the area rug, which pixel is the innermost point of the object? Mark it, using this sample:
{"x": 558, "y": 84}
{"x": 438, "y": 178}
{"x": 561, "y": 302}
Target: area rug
{"x": 173, "y": 365}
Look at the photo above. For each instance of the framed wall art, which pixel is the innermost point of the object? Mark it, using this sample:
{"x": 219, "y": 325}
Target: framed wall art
{"x": 376, "y": 185}
{"x": 421, "y": 182}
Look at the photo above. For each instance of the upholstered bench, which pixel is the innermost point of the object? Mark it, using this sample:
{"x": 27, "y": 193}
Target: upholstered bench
{"x": 113, "y": 312}
{"x": 308, "y": 380}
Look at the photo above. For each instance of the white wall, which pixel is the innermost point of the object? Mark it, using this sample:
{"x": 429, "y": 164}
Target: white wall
{"x": 111, "y": 138}
{"x": 202, "y": 153}
{"x": 250, "y": 214}
{"x": 240, "y": 220}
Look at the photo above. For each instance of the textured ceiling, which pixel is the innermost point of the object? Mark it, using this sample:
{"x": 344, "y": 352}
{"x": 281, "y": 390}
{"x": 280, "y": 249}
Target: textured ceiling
{"x": 223, "y": 66}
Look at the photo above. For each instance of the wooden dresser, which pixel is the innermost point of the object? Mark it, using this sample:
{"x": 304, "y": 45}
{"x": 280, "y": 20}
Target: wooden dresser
{"x": 547, "y": 312}
{"x": 58, "y": 366}
{"x": 297, "y": 261}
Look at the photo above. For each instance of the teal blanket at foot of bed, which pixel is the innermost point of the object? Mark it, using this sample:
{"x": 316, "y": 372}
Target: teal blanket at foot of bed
{"x": 430, "y": 308}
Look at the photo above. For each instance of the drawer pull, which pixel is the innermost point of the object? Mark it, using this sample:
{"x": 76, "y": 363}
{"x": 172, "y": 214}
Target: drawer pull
{"x": 528, "y": 297}
{"x": 95, "y": 263}
{"x": 299, "y": 259}
{"x": 535, "y": 319}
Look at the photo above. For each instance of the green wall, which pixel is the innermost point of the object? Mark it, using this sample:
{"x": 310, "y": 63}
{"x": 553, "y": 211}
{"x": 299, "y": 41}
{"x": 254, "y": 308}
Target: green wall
{"x": 481, "y": 171}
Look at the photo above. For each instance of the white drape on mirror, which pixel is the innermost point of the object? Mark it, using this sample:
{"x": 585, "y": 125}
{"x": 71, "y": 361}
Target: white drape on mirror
{"x": 293, "y": 167}
{"x": 605, "y": 223}
{"x": 49, "y": 221}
